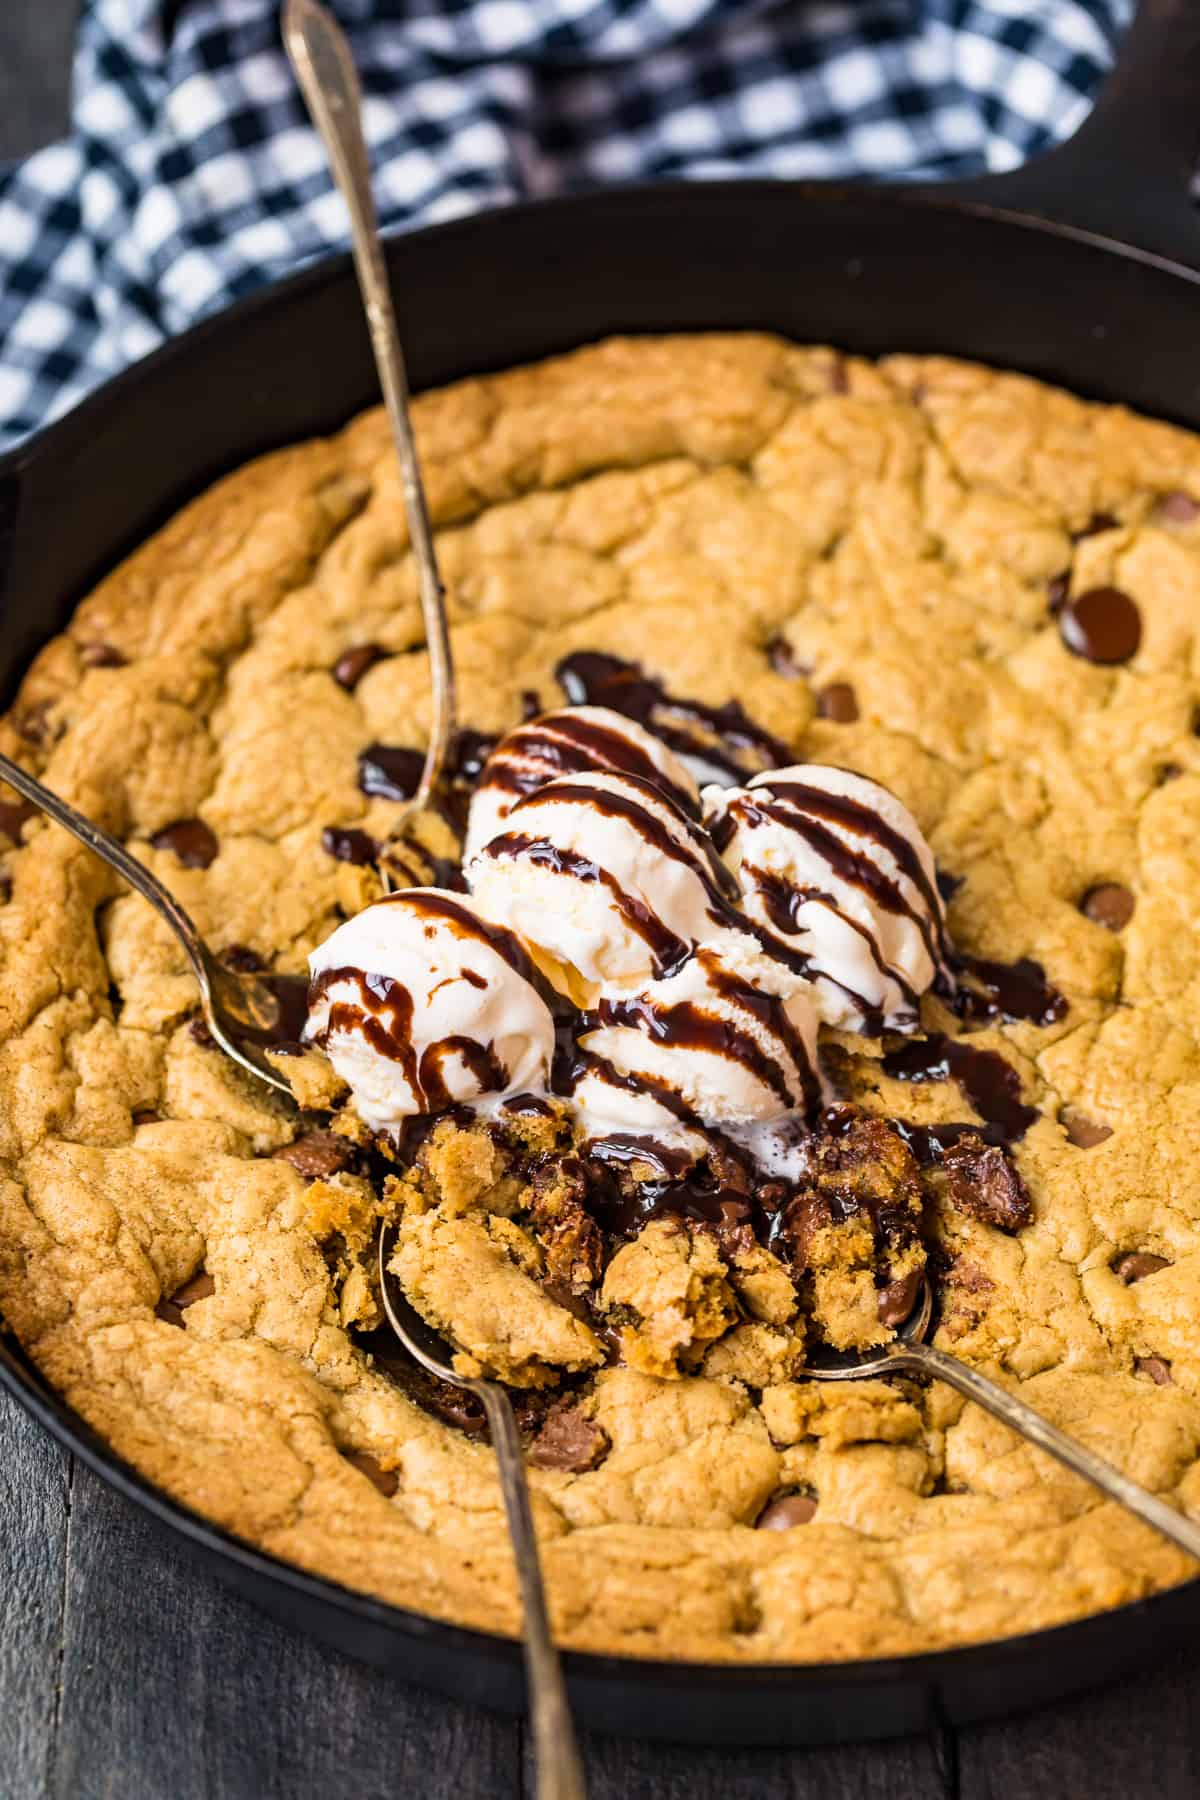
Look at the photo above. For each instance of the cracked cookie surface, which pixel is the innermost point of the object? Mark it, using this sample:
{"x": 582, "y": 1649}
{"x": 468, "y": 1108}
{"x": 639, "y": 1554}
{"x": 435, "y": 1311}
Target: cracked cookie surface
{"x": 874, "y": 560}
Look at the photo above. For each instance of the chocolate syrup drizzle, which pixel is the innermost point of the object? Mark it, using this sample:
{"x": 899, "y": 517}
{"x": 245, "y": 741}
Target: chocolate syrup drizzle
{"x": 722, "y": 1189}
{"x": 811, "y": 813}
{"x": 562, "y": 743}
{"x": 723, "y": 740}
{"x": 648, "y": 812}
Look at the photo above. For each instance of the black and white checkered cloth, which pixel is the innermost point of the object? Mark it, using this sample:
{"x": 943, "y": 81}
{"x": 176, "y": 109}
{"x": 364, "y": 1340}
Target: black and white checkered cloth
{"x": 192, "y": 174}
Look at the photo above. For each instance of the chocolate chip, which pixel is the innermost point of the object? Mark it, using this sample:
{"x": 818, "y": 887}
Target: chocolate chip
{"x": 1156, "y": 1368}
{"x": 390, "y": 771}
{"x": 200, "y": 1287}
{"x": 1103, "y": 625}
{"x": 898, "y": 1298}
{"x": 1099, "y": 521}
{"x": 101, "y": 656}
{"x": 838, "y": 702}
{"x": 352, "y": 665}
{"x": 146, "y": 1117}
{"x": 242, "y": 960}
{"x": 1135, "y": 1265}
{"x": 1083, "y": 1132}
{"x": 569, "y": 1440}
{"x": 349, "y": 845}
{"x": 1108, "y": 904}
{"x": 13, "y": 814}
{"x": 783, "y": 661}
{"x": 316, "y": 1155}
{"x": 1057, "y": 589}
{"x": 788, "y": 1510}
{"x": 983, "y": 1183}
{"x": 1176, "y": 508}
{"x": 199, "y": 1033}
{"x": 1168, "y": 772}
{"x": 191, "y": 840}
{"x": 386, "y": 1480}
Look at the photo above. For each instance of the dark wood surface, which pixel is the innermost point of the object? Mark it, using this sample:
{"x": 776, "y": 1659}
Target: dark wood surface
{"x": 127, "y": 1674}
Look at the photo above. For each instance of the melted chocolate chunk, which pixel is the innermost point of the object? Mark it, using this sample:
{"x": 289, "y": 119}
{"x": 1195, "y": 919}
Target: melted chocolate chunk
{"x": 991, "y": 1085}
{"x": 898, "y": 1298}
{"x": 200, "y": 1287}
{"x": 390, "y": 771}
{"x": 353, "y": 664}
{"x": 1084, "y": 1133}
{"x": 1135, "y": 1265}
{"x": 101, "y": 656}
{"x": 1108, "y": 904}
{"x": 1103, "y": 625}
{"x": 998, "y": 990}
{"x": 191, "y": 840}
{"x": 1156, "y": 1367}
{"x": 316, "y": 1155}
{"x": 445, "y": 1401}
{"x": 718, "y": 737}
{"x": 981, "y": 1182}
{"x": 349, "y": 845}
{"x": 1176, "y": 508}
{"x": 838, "y": 702}
{"x": 1168, "y": 772}
{"x": 788, "y": 1510}
{"x": 386, "y": 1480}
{"x": 569, "y": 1440}
{"x": 200, "y": 1034}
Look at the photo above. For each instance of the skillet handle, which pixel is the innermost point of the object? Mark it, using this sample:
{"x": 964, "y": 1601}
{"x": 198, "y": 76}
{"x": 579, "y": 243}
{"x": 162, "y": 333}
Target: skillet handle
{"x": 1127, "y": 172}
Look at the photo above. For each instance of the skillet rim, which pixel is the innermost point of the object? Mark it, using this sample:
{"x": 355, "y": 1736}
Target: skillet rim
{"x": 1156, "y": 1621}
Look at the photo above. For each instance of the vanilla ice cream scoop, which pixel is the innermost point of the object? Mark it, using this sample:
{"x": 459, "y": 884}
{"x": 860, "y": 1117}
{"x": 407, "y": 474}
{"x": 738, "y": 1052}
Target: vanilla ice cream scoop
{"x": 605, "y": 878}
{"x": 570, "y": 742}
{"x": 836, "y": 871}
{"x": 729, "y": 1039}
{"x": 419, "y": 1003}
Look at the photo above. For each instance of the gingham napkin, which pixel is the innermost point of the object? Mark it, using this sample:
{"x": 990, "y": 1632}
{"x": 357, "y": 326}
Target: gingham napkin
{"x": 192, "y": 174}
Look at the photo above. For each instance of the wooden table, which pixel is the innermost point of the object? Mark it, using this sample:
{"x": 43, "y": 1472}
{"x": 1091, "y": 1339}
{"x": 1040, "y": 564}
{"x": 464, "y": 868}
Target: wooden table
{"x": 127, "y": 1674}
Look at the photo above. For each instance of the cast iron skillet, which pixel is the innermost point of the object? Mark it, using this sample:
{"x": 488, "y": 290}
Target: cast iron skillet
{"x": 1107, "y": 305}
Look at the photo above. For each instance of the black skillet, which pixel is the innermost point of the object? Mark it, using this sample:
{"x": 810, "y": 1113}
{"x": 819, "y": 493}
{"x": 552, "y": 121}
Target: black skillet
{"x": 978, "y": 271}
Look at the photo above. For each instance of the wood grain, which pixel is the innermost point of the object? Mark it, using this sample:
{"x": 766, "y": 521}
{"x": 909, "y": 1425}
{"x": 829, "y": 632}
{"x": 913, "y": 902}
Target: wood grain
{"x": 34, "y": 1503}
{"x": 1140, "y": 1741}
{"x": 170, "y": 1685}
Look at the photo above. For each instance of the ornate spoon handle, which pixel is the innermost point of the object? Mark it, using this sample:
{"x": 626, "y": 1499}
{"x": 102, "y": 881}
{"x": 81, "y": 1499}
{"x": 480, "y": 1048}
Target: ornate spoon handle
{"x": 325, "y": 70}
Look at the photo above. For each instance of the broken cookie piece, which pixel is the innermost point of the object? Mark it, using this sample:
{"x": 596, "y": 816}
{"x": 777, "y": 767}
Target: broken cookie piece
{"x": 673, "y": 1286}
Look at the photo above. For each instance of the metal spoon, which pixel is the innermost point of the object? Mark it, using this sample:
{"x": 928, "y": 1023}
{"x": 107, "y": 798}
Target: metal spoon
{"x": 243, "y": 1012}
{"x": 909, "y": 1355}
{"x": 559, "y": 1774}
{"x": 325, "y": 70}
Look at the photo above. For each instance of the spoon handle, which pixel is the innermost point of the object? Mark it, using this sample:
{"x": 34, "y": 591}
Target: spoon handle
{"x": 110, "y": 850}
{"x": 325, "y": 70}
{"x": 924, "y": 1359}
{"x": 559, "y": 1773}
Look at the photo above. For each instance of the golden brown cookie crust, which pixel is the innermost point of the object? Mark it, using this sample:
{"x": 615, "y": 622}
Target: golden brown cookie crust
{"x": 745, "y": 518}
